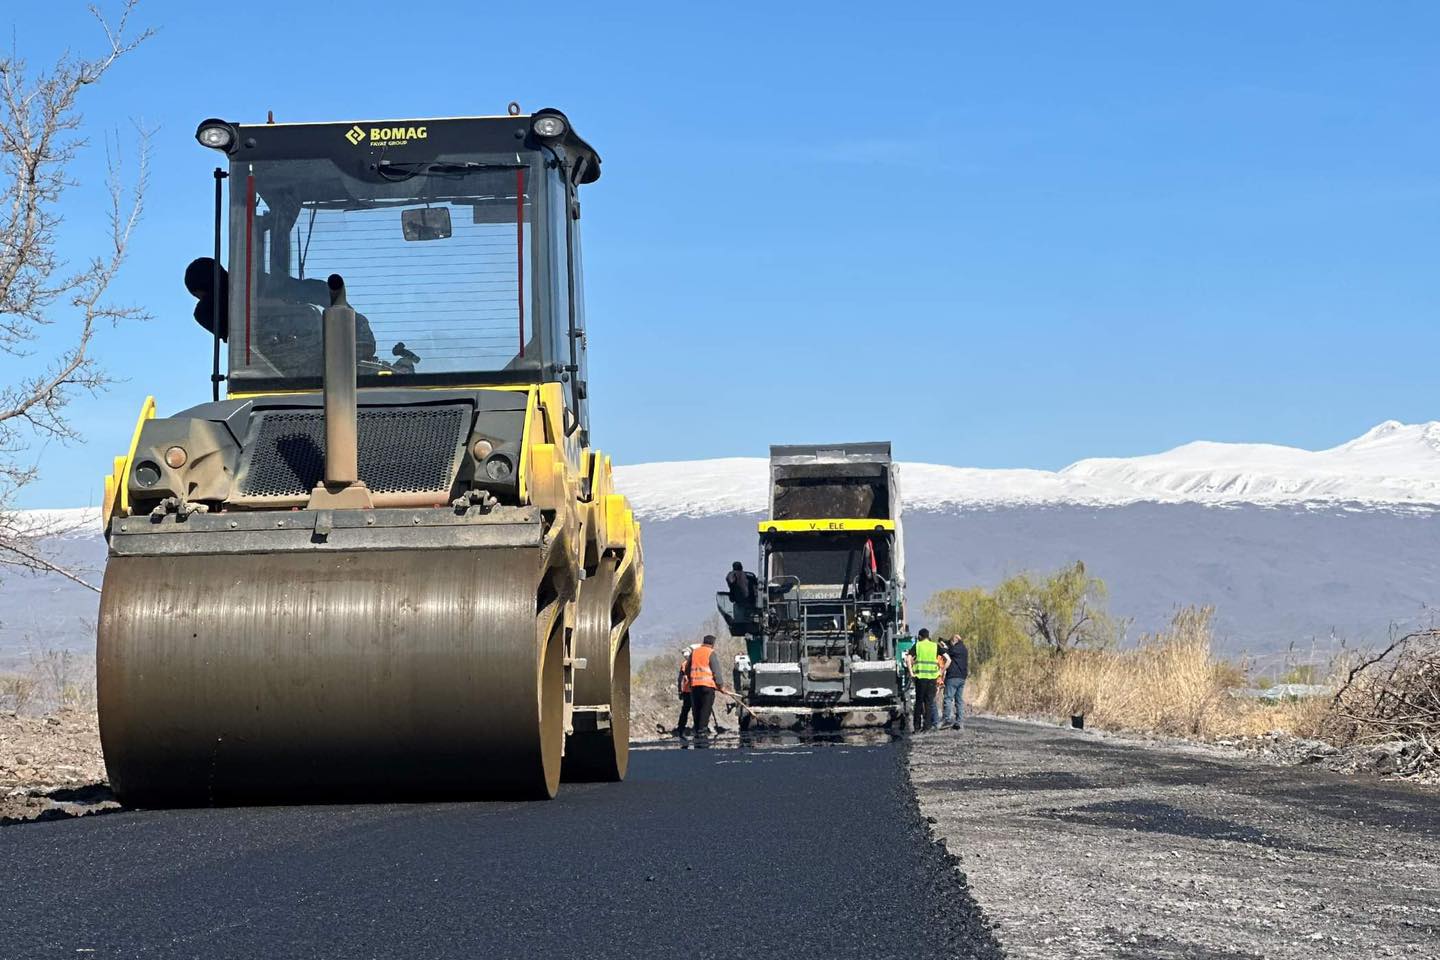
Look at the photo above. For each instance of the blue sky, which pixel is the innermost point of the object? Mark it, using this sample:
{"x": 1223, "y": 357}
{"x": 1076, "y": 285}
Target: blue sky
{"x": 1000, "y": 235}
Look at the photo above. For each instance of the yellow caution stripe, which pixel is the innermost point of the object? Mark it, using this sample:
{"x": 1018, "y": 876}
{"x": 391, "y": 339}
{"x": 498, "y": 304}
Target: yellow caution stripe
{"x": 824, "y": 525}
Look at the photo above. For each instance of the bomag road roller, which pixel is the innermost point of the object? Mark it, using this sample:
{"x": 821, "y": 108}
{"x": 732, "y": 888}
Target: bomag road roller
{"x": 388, "y": 562}
{"x": 824, "y": 618}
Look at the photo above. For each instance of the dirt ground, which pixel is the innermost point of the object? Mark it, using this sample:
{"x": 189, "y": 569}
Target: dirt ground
{"x": 51, "y": 766}
{"x": 1080, "y": 846}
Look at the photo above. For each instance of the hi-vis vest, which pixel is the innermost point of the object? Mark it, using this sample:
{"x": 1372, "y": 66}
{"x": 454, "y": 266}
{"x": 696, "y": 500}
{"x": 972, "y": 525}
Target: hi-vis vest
{"x": 927, "y": 660}
{"x": 685, "y": 674}
{"x": 700, "y": 673}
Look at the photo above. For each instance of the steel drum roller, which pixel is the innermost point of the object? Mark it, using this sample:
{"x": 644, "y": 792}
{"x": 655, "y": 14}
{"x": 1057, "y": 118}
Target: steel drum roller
{"x": 349, "y": 674}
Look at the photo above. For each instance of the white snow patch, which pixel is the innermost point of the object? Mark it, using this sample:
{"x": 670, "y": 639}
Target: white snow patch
{"x": 1393, "y": 464}
{"x": 695, "y": 488}
{"x": 66, "y": 523}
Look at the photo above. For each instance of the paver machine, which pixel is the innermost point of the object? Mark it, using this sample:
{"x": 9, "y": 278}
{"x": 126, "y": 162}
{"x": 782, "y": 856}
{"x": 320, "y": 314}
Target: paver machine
{"x": 824, "y": 620}
{"x": 388, "y": 562}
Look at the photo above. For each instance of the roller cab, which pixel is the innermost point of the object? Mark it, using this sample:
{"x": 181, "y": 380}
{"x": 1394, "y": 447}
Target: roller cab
{"x": 387, "y": 561}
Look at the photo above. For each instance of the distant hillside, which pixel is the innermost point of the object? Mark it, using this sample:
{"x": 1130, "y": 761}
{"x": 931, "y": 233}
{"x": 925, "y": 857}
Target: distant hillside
{"x": 1276, "y": 574}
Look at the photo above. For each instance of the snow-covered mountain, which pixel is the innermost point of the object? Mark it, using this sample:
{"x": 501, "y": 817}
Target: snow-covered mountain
{"x": 1392, "y": 464}
{"x": 1310, "y": 543}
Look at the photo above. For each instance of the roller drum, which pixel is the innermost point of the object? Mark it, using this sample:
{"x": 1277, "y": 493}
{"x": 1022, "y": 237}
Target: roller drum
{"x": 366, "y": 674}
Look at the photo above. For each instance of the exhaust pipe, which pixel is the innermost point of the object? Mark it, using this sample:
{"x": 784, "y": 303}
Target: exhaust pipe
{"x": 341, "y": 487}
{"x": 342, "y": 455}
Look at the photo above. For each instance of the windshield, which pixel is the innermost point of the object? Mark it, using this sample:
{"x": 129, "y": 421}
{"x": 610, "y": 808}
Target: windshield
{"x": 828, "y": 560}
{"x": 436, "y": 256}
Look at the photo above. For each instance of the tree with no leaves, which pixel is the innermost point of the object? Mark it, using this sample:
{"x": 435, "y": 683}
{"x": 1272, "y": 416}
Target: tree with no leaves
{"x": 39, "y": 292}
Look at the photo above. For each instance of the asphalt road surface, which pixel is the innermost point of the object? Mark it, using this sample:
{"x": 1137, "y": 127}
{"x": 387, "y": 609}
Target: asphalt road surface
{"x": 788, "y": 851}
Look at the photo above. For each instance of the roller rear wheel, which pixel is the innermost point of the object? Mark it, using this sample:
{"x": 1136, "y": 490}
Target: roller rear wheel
{"x": 604, "y": 754}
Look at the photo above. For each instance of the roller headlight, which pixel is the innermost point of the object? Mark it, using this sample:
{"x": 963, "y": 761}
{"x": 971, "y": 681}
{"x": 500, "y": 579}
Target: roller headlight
{"x": 549, "y": 126}
{"x": 147, "y": 473}
{"x": 499, "y": 467}
{"x": 216, "y": 134}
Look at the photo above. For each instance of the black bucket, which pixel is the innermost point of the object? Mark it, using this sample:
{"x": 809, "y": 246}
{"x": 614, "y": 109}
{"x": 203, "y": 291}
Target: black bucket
{"x": 1077, "y": 720}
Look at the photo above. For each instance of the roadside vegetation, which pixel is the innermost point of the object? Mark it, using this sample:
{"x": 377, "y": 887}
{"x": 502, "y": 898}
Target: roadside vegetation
{"x": 1391, "y": 700}
{"x": 1046, "y": 646}
{"x": 54, "y": 680}
{"x": 49, "y": 735}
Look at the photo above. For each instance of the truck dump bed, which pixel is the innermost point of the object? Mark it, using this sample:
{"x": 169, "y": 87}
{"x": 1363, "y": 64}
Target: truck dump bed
{"x": 850, "y": 481}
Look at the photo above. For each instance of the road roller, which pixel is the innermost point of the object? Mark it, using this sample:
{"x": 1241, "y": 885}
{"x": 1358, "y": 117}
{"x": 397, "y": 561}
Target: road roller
{"x": 824, "y": 620}
{"x": 383, "y": 560}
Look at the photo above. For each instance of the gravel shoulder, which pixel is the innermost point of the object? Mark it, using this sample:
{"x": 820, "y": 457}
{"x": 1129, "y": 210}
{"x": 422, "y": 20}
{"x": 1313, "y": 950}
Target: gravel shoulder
{"x": 1080, "y": 846}
{"x": 51, "y": 767}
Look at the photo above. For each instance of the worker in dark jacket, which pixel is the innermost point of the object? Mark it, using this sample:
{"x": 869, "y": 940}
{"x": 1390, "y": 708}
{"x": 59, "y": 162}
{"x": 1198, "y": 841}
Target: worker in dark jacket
{"x": 741, "y": 585}
{"x": 957, "y": 671}
{"x": 705, "y": 677}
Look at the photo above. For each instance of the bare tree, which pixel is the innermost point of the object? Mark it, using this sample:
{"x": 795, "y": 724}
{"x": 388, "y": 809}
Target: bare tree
{"x": 39, "y": 292}
{"x": 1061, "y": 611}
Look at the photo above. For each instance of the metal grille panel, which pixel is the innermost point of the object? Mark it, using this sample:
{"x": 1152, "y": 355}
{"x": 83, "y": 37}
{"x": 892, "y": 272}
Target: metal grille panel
{"x": 402, "y": 450}
{"x": 782, "y": 650}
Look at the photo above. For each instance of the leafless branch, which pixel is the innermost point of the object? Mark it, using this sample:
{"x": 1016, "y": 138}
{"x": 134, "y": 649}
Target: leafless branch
{"x": 17, "y": 554}
{"x": 1364, "y": 665}
{"x": 1394, "y": 696}
{"x": 40, "y": 138}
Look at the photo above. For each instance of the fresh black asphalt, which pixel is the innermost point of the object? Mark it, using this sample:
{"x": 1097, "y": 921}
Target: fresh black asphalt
{"x": 799, "y": 850}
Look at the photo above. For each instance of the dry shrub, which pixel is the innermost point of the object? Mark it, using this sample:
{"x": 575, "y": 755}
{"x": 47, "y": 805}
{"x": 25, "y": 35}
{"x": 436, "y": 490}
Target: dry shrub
{"x": 17, "y": 691}
{"x": 1170, "y": 682}
{"x": 1015, "y": 681}
{"x": 1393, "y": 696}
{"x": 63, "y": 680}
{"x": 56, "y": 680}
{"x": 1304, "y": 717}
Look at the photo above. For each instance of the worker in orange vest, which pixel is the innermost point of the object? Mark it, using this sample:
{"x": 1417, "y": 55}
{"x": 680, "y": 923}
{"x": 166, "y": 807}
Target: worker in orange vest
{"x": 682, "y": 686}
{"x": 704, "y": 674}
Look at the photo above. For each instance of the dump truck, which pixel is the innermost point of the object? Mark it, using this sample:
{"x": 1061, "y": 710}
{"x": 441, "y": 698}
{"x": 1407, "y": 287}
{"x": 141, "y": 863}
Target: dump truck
{"x": 387, "y": 561}
{"x": 823, "y": 618}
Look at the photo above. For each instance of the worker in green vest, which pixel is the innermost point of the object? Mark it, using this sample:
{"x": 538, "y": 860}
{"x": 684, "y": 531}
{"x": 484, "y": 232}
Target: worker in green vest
{"x": 926, "y": 664}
